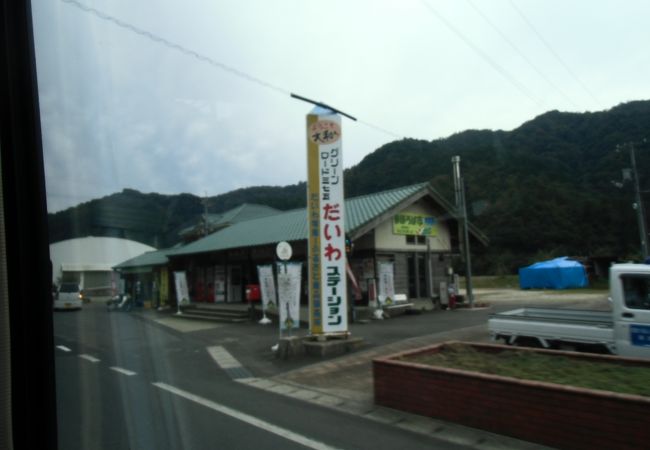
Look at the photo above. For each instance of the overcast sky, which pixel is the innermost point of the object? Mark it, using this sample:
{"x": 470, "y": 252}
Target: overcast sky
{"x": 193, "y": 96}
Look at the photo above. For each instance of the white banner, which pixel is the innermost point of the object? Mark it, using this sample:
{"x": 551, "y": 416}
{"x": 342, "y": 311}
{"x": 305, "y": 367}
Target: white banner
{"x": 267, "y": 286}
{"x": 289, "y": 276}
{"x": 219, "y": 284}
{"x": 325, "y": 214}
{"x": 386, "y": 283}
{"x": 182, "y": 293}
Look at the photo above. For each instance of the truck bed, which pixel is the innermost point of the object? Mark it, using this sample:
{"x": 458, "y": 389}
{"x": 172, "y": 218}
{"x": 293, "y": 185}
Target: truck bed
{"x": 546, "y": 324}
{"x": 575, "y": 316}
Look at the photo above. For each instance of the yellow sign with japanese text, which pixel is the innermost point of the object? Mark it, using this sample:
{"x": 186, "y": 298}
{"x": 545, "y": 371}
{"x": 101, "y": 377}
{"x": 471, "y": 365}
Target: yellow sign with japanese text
{"x": 326, "y": 223}
{"x": 410, "y": 224}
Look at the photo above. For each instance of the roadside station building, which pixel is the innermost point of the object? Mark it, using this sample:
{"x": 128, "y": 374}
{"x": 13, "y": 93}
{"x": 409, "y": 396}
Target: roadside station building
{"x": 151, "y": 268}
{"x": 413, "y": 227}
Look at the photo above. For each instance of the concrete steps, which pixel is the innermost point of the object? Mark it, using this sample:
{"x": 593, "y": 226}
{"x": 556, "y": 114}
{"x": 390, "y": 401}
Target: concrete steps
{"x": 237, "y": 313}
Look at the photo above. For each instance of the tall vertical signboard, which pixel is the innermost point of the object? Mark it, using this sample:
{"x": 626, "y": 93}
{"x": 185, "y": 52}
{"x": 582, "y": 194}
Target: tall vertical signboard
{"x": 325, "y": 217}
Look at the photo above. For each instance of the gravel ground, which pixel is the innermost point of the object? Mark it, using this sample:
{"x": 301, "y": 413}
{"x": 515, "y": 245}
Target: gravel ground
{"x": 587, "y": 299}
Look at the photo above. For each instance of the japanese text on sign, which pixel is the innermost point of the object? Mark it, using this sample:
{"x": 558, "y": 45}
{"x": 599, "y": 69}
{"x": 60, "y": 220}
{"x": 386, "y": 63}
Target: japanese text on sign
{"x": 328, "y": 288}
{"x": 414, "y": 225}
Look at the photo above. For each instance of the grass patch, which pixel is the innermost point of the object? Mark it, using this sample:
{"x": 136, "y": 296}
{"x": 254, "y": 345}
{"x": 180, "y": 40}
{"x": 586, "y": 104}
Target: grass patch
{"x": 540, "y": 367}
{"x": 512, "y": 282}
{"x": 493, "y": 282}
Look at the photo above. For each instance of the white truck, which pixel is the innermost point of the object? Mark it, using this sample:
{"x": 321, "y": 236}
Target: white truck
{"x": 625, "y": 330}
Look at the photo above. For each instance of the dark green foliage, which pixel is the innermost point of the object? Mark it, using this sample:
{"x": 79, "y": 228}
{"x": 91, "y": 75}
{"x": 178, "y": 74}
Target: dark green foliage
{"x": 153, "y": 219}
{"x": 156, "y": 219}
{"x": 542, "y": 189}
{"x": 279, "y": 197}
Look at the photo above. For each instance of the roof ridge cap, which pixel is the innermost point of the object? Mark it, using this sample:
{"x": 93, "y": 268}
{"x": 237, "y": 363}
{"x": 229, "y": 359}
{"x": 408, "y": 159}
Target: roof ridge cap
{"x": 424, "y": 183}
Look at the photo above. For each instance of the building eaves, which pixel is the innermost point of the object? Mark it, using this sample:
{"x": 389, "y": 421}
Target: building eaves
{"x": 153, "y": 258}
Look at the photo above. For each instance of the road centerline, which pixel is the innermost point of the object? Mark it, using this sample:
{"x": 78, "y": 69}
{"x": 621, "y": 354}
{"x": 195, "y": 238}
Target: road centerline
{"x": 126, "y": 372}
{"x": 90, "y": 358}
{"x": 247, "y": 418}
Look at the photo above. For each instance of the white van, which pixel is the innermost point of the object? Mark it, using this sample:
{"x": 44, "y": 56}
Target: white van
{"x": 68, "y": 296}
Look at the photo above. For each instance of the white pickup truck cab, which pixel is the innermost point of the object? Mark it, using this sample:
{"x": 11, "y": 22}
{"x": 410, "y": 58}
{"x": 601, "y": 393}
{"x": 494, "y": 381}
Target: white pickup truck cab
{"x": 625, "y": 330}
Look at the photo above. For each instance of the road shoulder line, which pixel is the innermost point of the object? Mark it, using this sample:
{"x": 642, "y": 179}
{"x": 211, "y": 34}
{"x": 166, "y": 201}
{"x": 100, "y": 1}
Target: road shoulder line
{"x": 251, "y": 420}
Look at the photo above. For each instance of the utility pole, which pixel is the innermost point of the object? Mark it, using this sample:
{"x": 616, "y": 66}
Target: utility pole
{"x": 461, "y": 208}
{"x": 638, "y": 201}
{"x": 640, "y": 213}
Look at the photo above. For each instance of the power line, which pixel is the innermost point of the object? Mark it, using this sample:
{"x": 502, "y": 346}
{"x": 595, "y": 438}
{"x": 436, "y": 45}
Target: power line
{"x": 520, "y": 53}
{"x": 503, "y": 72}
{"x": 380, "y": 129}
{"x": 553, "y": 52}
{"x": 174, "y": 46}
{"x": 200, "y": 57}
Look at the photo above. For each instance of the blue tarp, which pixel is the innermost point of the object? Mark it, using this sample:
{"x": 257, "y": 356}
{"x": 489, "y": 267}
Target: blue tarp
{"x": 558, "y": 273}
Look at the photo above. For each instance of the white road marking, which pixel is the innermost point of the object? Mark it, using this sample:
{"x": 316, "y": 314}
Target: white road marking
{"x": 187, "y": 326}
{"x": 64, "y": 348}
{"x": 123, "y": 371}
{"x": 223, "y": 358}
{"x": 251, "y": 420}
{"x": 89, "y": 358}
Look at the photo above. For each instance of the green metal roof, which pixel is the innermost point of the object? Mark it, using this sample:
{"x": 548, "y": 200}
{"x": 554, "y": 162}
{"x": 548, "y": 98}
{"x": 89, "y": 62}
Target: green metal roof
{"x": 360, "y": 212}
{"x": 245, "y": 211}
{"x": 288, "y": 226}
{"x": 153, "y": 258}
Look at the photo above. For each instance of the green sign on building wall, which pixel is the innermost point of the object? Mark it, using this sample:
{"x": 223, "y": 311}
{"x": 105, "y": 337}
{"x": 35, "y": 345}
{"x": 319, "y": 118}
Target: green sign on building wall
{"x": 410, "y": 224}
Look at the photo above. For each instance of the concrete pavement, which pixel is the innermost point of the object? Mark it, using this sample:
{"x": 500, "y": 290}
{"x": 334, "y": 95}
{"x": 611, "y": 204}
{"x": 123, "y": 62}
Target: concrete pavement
{"x": 345, "y": 383}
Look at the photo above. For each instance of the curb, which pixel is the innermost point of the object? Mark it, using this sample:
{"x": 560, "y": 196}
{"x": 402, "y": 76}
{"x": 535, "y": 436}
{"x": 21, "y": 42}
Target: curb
{"x": 446, "y": 431}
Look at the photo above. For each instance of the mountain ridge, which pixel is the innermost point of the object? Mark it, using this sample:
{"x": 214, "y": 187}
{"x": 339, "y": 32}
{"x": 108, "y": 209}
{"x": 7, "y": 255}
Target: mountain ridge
{"x": 541, "y": 189}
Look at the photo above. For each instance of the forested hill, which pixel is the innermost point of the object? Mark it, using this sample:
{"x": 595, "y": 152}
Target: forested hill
{"x": 543, "y": 189}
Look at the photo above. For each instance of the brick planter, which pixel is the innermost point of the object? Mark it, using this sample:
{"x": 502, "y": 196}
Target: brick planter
{"x": 550, "y": 414}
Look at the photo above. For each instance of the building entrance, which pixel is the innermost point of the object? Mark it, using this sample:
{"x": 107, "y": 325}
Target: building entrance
{"x": 417, "y": 276}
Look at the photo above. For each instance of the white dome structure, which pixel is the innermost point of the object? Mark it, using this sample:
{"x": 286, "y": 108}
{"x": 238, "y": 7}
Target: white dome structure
{"x": 90, "y": 260}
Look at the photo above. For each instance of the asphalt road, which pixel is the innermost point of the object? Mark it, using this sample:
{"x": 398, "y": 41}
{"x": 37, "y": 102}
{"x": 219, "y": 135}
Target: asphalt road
{"x": 128, "y": 383}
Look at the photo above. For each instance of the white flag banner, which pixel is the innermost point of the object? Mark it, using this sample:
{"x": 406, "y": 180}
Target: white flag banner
{"x": 267, "y": 286}
{"x": 289, "y": 276}
{"x": 219, "y": 284}
{"x": 386, "y": 283}
{"x": 182, "y": 293}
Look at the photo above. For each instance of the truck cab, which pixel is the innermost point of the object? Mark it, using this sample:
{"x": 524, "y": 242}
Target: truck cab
{"x": 630, "y": 298}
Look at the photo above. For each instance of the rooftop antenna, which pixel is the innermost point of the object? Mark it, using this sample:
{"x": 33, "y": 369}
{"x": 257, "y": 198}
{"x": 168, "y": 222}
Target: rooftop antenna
{"x": 322, "y": 105}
